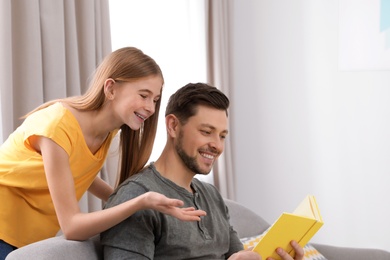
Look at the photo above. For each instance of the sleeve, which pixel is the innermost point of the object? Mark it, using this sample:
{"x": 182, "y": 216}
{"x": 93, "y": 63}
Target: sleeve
{"x": 134, "y": 237}
{"x": 52, "y": 124}
{"x": 235, "y": 243}
{"x": 114, "y": 253}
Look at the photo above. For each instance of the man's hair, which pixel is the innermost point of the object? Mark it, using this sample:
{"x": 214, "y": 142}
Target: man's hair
{"x": 185, "y": 101}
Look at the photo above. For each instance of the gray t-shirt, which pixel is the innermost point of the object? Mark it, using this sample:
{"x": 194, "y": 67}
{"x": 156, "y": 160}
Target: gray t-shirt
{"x": 149, "y": 234}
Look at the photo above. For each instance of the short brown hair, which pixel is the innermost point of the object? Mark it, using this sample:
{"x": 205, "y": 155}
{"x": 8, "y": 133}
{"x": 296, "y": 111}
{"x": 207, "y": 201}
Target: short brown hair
{"x": 185, "y": 101}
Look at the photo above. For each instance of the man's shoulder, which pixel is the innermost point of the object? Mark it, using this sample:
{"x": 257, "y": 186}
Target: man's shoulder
{"x": 207, "y": 187}
{"x": 146, "y": 177}
{"x": 134, "y": 186}
{"x": 204, "y": 185}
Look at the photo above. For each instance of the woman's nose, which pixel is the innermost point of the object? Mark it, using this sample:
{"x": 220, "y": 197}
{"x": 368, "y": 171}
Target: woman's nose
{"x": 150, "y": 106}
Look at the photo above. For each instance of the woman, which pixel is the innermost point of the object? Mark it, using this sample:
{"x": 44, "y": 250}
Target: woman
{"x": 54, "y": 156}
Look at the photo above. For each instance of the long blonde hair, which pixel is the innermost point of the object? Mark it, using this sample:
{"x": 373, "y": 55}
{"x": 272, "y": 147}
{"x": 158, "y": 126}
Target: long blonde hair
{"x": 127, "y": 63}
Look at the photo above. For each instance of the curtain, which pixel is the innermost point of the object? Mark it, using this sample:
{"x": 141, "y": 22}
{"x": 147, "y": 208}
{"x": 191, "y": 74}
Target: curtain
{"x": 218, "y": 75}
{"x": 48, "y": 50}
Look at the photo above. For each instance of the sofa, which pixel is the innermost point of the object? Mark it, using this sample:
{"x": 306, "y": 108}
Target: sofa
{"x": 246, "y": 223}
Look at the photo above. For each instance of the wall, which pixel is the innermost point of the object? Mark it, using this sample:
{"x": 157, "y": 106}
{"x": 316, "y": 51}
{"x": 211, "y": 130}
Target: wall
{"x": 303, "y": 126}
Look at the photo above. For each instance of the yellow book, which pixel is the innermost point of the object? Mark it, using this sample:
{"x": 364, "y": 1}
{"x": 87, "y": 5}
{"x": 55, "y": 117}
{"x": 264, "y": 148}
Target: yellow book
{"x": 301, "y": 225}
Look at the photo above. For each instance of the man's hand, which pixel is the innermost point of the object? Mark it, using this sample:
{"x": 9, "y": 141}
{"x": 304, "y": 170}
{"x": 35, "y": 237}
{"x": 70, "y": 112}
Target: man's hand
{"x": 245, "y": 255}
{"x": 250, "y": 255}
{"x": 285, "y": 256}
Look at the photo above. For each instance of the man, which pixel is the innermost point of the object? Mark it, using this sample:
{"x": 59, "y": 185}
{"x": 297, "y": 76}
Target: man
{"x": 196, "y": 124}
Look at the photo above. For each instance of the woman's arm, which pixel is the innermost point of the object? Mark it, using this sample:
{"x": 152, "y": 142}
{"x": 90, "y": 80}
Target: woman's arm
{"x": 80, "y": 226}
{"x": 100, "y": 189}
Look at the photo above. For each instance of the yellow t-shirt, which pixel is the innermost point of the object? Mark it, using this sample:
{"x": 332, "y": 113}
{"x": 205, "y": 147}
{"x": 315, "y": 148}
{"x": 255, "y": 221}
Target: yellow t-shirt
{"x": 26, "y": 209}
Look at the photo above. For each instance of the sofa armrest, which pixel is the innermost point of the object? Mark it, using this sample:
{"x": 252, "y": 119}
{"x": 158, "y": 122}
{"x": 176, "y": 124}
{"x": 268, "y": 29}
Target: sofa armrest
{"x": 59, "y": 248}
{"x": 246, "y": 222}
{"x": 350, "y": 253}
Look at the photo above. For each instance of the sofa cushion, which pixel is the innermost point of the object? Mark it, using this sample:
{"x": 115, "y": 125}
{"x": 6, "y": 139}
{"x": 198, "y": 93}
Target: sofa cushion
{"x": 311, "y": 253}
{"x": 351, "y": 253}
{"x": 240, "y": 216}
{"x": 59, "y": 248}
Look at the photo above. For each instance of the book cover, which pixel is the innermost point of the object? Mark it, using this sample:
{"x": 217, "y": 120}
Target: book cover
{"x": 301, "y": 225}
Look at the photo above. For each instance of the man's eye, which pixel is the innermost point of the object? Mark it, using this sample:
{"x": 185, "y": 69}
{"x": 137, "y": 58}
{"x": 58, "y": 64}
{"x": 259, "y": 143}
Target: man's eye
{"x": 205, "y": 132}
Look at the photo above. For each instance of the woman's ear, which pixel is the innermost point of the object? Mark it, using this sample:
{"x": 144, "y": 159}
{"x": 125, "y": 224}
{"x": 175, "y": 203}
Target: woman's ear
{"x": 109, "y": 90}
{"x": 172, "y": 124}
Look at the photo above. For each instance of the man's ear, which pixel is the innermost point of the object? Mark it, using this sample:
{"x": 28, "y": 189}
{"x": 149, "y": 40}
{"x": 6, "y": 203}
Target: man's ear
{"x": 172, "y": 124}
{"x": 109, "y": 89}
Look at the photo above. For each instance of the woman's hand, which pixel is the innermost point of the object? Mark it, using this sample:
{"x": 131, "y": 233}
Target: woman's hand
{"x": 161, "y": 203}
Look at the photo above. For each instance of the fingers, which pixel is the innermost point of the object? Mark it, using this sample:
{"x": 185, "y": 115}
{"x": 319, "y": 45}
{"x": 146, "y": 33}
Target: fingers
{"x": 157, "y": 199}
{"x": 188, "y": 218}
{"x": 175, "y": 202}
{"x": 245, "y": 255}
{"x": 193, "y": 211}
{"x": 188, "y": 209}
{"x": 172, "y": 207}
{"x": 190, "y": 214}
{"x": 299, "y": 253}
{"x": 285, "y": 256}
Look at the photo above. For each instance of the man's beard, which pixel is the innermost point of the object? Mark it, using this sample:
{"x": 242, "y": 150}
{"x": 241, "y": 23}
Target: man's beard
{"x": 188, "y": 161}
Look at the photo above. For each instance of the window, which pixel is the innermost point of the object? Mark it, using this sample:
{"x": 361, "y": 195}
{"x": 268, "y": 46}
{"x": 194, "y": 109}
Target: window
{"x": 172, "y": 33}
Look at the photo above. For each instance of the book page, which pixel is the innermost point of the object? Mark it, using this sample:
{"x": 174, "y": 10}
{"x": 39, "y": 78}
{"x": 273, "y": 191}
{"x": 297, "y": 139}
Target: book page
{"x": 308, "y": 208}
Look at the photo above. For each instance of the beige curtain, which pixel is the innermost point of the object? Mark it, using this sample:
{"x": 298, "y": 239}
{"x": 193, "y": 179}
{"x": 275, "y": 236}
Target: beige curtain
{"x": 48, "y": 50}
{"x": 218, "y": 40}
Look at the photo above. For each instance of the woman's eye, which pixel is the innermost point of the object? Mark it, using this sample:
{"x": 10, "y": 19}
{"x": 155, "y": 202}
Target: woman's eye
{"x": 205, "y": 132}
{"x": 143, "y": 96}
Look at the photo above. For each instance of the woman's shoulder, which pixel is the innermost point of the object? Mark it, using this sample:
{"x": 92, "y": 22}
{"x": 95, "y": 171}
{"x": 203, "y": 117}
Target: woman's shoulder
{"x": 45, "y": 120}
{"x": 52, "y": 111}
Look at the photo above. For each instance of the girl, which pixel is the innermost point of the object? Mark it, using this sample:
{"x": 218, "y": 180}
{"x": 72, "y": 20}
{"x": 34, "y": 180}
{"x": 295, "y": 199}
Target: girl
{"x": 54, "y": 156}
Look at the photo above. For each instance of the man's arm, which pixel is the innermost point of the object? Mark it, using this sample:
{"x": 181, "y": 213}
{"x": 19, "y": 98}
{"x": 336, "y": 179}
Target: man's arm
{"x": 134, "y": 237}
{"x": 118, "y": 254}
{"x": 235, "y": 243}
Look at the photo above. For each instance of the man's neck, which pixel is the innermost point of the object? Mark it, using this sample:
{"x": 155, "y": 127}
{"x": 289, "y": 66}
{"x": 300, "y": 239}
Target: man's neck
{"x": 172, "y": 168}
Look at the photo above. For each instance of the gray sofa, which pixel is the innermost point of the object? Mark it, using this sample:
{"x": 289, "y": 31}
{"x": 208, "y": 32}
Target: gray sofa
{"x": 243, "y": 220}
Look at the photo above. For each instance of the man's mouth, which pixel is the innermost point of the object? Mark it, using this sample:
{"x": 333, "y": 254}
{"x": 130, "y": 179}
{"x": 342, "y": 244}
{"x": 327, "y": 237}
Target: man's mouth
{"x": 207, "y": 156}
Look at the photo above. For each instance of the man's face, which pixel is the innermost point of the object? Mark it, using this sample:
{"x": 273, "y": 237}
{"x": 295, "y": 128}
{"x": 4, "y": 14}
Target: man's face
{"x": 201, "y": 140}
